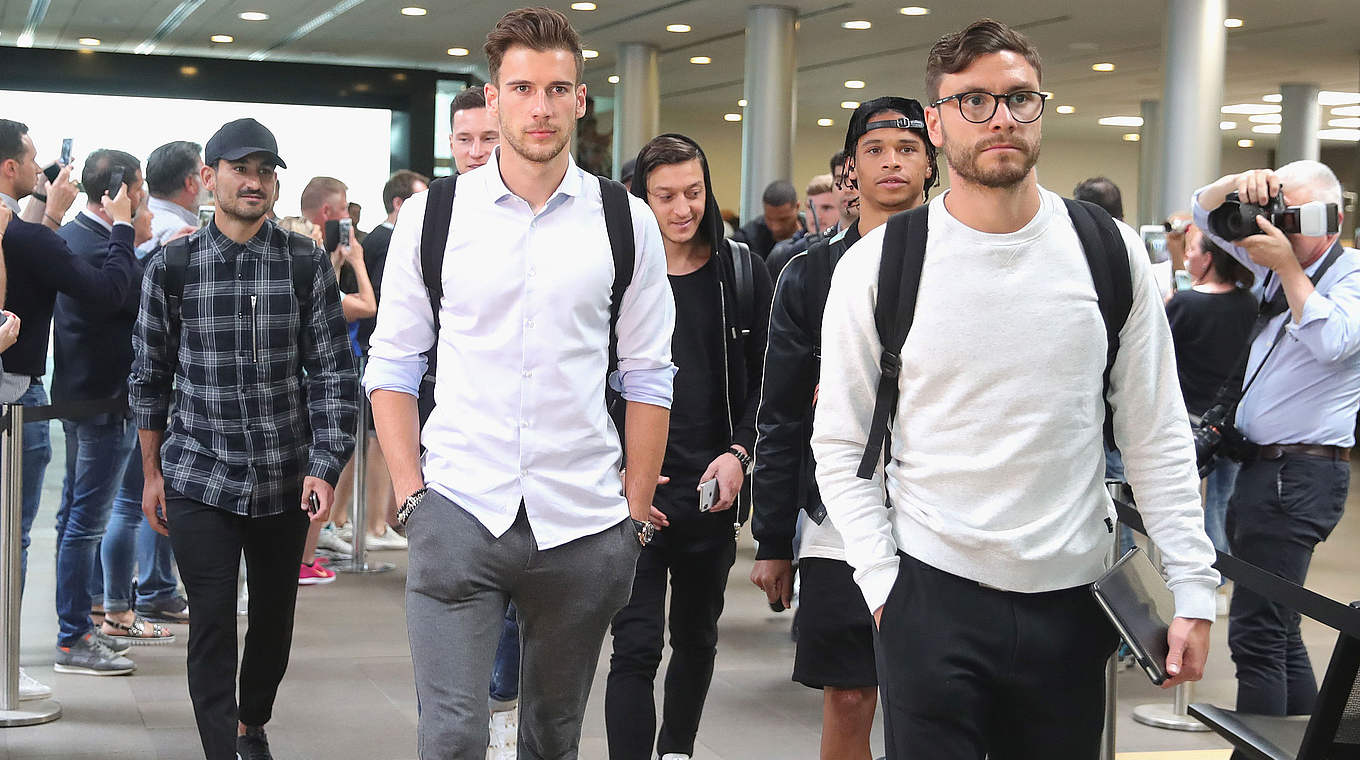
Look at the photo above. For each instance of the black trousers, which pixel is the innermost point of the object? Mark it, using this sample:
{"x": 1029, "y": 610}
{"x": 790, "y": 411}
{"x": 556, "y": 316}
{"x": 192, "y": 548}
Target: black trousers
{"x": 208, "y": 544}
{"x": 698, "y": 577}
{"x": 1280, "y": 510}
{"x": 968, "y": 672}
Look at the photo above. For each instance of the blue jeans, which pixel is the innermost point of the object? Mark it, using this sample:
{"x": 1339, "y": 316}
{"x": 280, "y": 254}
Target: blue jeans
{"x": 1218, "y": 488}
{"x": 37, "y": 453}
{"x": 505, "y": 670}
{"x": 96, "y": 454}
{"x": 131, "y": 547}
{"x": 1114, "y": 470}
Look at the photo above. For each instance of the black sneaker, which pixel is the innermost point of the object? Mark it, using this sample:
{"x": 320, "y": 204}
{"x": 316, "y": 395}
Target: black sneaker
{"x": 172, "y": 610}
{"x": 253, "y": 744}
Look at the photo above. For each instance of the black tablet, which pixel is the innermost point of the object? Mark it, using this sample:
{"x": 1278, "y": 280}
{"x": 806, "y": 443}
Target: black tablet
{"x": 1135, "y": 597}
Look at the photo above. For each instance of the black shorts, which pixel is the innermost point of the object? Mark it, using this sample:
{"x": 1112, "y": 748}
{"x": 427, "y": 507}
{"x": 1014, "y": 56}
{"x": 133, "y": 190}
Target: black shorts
{"x": 835, "y": 630}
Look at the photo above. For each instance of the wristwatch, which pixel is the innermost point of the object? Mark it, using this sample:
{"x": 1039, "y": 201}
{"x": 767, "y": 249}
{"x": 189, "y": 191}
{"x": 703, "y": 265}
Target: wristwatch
{"x": 645, "y": 531}
{"x": 409, "y": 506}
{"x": 742, "y": 457}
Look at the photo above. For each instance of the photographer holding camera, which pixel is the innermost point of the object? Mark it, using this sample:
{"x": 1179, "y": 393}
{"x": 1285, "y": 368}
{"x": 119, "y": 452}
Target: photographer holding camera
{"x": 1296, "y": 416}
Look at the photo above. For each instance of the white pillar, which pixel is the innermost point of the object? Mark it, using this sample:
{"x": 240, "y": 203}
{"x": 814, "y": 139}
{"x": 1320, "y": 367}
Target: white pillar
{"x": 1299, "y": 123}
{"x": 637, "y": 102}
{"x": 768, "y": 124}
{"x": 1195, "y": 47}
{"x": 1149, "y": 164}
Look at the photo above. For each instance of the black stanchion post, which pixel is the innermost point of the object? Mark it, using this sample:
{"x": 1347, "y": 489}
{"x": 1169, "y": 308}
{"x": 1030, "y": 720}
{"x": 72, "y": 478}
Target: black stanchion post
{"x": 1118, "y": 491}
{"x": 358, "y": 561}
{"x": 12, "y": 711}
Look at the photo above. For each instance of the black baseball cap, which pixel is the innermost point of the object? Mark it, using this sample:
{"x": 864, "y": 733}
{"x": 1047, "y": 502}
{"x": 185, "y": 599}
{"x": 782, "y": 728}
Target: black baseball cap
{"x": 238, "y": 139}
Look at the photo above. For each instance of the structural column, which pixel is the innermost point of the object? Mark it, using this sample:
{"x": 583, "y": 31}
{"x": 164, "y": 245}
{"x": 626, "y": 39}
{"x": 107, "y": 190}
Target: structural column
{"x": 768, "y": 126}
{"x": 1299, "y": 123}
{"x": 637, "y": 101}
{"x": 1195, "y": 46}
{"x": 1149, "y": 164}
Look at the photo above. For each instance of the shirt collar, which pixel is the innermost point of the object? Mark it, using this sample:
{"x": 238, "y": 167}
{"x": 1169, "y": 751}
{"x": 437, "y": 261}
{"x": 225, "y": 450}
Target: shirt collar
{"x": 10, "y": 201}
{"x": 85, "y": 214}
{"x": 160, "y": 206}
{"x": 570, "y": 185}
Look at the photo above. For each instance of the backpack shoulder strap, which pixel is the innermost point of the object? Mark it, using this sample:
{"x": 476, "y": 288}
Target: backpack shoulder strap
{"x": 434, "y": 237}
{"x": 746, "y": 287}
{"x": 1108, "y": 259}
{"x": 302, "y": 260}
{"x": 899, "y": 279}
{"x": 618, "y": 222}
{"x": 176, "y": 263}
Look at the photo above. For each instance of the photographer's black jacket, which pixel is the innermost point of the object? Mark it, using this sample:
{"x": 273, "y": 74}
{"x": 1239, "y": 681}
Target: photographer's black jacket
{"x": 784, "y": 479}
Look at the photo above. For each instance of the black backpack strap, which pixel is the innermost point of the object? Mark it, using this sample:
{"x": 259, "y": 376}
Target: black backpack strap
{"x": 1108, "y": 259}
{"x": 302, "y": 260}
{"x": 618, "y": 222}
{"x": 746, "y": 288}
{"x": 172, "y": 283}
{"x": 899, "y": 279}
{"x": 434, "y": 237}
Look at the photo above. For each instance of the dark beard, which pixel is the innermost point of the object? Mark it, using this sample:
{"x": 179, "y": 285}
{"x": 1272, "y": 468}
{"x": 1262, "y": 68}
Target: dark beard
{"x": 965, "y": 163}
{"x": 238, "y": 211}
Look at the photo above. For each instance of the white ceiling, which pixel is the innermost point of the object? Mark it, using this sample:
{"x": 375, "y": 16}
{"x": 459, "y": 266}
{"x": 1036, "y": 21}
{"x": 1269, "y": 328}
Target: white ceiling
{"x": 1314, "y": 41}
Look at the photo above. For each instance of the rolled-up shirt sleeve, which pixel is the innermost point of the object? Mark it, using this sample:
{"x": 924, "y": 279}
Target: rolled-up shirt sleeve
{"x": 646, "y": 318}
{"x": 405, "y": 325}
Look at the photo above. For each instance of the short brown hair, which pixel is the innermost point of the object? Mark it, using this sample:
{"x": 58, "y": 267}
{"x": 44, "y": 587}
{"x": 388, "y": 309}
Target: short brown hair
{"x": 319, "y": 190}
{"x": 470, "y": 99}
{"x": 540, "y": 29}
{"x": 955, "y": 52}
{"x": 819, "y": 184}
{"x": 402, "y": 185}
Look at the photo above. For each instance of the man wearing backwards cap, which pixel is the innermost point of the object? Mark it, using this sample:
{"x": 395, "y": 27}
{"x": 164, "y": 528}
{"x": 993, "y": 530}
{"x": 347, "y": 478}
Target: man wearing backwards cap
{"x": 892, "y": 161}
{"x": 263, "y": 394}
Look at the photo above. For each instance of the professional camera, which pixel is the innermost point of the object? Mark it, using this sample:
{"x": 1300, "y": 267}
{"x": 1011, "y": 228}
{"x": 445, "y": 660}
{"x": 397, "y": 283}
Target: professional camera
{"x": 1216, "y": 432}
{"x": 1235, "y": 220}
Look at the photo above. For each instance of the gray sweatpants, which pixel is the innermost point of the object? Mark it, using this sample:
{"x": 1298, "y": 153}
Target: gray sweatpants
{"x": 459, "y": 580}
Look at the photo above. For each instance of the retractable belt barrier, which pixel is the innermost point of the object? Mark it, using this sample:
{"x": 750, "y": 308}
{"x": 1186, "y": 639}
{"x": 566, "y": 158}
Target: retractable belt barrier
{"x": 71, "y": 410}
{"x": 1312, "y": 604}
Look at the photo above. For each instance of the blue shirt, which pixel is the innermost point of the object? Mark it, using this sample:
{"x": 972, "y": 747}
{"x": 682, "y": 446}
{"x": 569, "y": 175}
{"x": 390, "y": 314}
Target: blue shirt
{"x": 1309, "y": 390}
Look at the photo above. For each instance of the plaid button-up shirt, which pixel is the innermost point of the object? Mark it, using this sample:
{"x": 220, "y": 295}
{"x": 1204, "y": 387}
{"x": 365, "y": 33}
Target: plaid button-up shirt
{"x": 264, "y": 389}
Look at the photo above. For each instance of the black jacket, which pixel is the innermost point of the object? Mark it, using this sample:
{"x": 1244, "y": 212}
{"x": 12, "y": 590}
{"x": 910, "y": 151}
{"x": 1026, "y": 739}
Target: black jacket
{"x": 745, "y": 343}
{"x": 784, "y": 479}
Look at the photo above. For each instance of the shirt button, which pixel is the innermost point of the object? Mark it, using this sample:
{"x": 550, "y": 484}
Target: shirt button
{"x": 524, "y": 473}
{"x": 524, "y": 423}
{"x": 532, "y": 271}
{"x": 528, "y": 373}
{"x": 529, "y": 324}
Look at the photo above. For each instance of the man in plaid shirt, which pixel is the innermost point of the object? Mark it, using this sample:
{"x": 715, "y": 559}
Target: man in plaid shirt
{"x": 265, "y": 403}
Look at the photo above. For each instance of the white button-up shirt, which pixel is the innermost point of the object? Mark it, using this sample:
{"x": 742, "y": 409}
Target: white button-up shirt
{"x": 523, "y": 350}
{"x": 168, "y": 218}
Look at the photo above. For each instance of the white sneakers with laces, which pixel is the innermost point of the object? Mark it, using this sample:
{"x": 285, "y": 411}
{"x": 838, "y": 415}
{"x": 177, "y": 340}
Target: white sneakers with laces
{"x": 31, "y": 688}
{"x": 504, "y": 734}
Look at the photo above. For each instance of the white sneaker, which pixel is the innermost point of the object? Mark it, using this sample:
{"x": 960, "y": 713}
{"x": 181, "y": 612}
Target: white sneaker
{"x": 345, "y": 532}
{"x": 388, "y": 540}
{"x": 31, "y": 688}
{"x": 674, "y": 756}
{"x": 504, "y": 733}
{"x": 330, "y": 540}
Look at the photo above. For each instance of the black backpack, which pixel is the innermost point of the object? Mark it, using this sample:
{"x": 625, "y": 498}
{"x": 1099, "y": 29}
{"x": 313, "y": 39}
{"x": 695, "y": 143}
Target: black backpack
{"x": 899, "y": 279}
{"x": 618, "y": 222}
{"x": 300, "y": 257}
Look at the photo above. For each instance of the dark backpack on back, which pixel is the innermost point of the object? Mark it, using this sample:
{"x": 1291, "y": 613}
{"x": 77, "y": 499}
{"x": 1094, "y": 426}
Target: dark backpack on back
{"x": 301, "y": 261}
{"x": 618, "y": 221}
{"x": 899, "y": 279}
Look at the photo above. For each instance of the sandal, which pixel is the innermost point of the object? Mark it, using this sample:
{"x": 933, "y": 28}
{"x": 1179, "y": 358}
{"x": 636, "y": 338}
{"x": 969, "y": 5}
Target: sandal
{"x": 140, "y": 631}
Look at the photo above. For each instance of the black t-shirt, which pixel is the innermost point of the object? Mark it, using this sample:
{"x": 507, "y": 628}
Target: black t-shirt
{"x": 698, "y": 427}
{"x": 375, "y": 259}
{"x": 1210, "y": 331}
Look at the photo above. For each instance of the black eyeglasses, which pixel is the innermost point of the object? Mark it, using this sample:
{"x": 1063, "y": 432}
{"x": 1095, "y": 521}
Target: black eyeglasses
{"x": 979, "y": 106}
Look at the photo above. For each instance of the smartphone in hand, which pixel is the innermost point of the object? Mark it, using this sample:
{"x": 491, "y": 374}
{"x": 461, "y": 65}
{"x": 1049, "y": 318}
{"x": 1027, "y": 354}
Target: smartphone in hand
{"x": 708, "y": 495}
{"x": 66, "y": 152}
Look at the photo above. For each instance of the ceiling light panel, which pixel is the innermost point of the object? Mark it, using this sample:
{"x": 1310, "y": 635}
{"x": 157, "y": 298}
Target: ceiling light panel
{"x": 1226, "y": 125}
{"x": 253, "y": 16}
{"x": 583, "y": 6}
{"x": 1103, "y": 67}
{"x": 1247, "y": 109}
{"x": 678, "y": 28}
{"x": 826, "y": 122}
{"x": 1121, "y": 121}
{"x": 1246, "y": 143}
{"x": 413, "y": 10}
{"x": 914, "y": 10}
{"x": 700, "y": 60}
{"x": 731, "y": 117}
{"x": 857, "y": 25}
{"x": 1266, "y": 129}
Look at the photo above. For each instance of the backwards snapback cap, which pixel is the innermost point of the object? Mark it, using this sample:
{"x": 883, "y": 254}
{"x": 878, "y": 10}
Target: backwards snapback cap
{"x": 240, "y": 138}
{"x": 913, "y": 118}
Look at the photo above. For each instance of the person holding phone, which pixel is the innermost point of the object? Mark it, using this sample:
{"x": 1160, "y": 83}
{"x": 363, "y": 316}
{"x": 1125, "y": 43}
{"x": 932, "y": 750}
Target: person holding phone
{"x": 264, "y": 420}
{"x": 708, "y": 454}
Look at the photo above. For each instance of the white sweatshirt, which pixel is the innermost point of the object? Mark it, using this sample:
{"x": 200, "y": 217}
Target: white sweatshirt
{"x": 997, "y": 467}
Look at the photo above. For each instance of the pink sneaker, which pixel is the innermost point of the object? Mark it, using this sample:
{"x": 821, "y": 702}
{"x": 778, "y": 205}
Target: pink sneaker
{"x": 314, "y": 574}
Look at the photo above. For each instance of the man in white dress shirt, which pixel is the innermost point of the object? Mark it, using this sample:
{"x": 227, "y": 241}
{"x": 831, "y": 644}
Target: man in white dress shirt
{"x": 522, "y": 462}
{"x": 172, "y": 176}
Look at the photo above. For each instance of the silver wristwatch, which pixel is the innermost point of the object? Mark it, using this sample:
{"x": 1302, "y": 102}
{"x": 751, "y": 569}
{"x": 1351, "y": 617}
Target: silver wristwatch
{"x": 645, "y": 531}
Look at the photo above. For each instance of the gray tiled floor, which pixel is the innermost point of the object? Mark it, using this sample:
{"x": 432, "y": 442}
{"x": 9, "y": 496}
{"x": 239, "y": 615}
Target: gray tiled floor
{"x": 348, "y": 693}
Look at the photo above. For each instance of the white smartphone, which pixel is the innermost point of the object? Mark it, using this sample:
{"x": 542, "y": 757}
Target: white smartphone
{"x": 708, "y": 495}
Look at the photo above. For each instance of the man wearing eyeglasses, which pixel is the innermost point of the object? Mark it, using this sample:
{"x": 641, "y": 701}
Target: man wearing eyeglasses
{"x": 990, "y": 642}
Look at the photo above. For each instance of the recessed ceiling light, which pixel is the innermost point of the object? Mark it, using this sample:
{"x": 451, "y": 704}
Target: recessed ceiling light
{"x": 1066, "y": 109}
{"x": 458, "y": 51}
{"x": 1350, "y": 135}
{"x": 400, "y": 76}
{"x": 362, "y": 87}
{"x": 1332, "y": 98}
{"x": 1265, "y": 118}
{"x": 89, "y": 41}
{"x": 1121, "y": 121}
{"x": 849, "y": 105}
{"x": 1226, "y": 125}
{"x": 614, "y": 79}
{"x": 583, "y": 6}
{"x": 858, "y": 25}
{"x": 854, "y": 84}
{"x": 188, "y": 71}
{"x": 741, "y": 103}
{"x": 825, "y": 123}
{"x": 253, "y": 16}
{"x": 588, "y": 53}
{"x": 1102, "y": 67}
{"x": 1246, "y": 109}
{"x": 1350, "y": 123}
{"x": 1132, "y": 137}
{"x": 1274, "y": 97}
{"x": 1232, "y": 23}
{"x": 731, "y": 117}
{"x": 913, "y": 10}
{"x": 1246, "y": 142}
{"x": 223, "y": 38}
{"x": 678, "y": 28}
{"x": 1266, "y": 129}
{"x": 1346, "y": 111}
{"x": 413, "y": 10}
{"x": 701, "y": 60}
